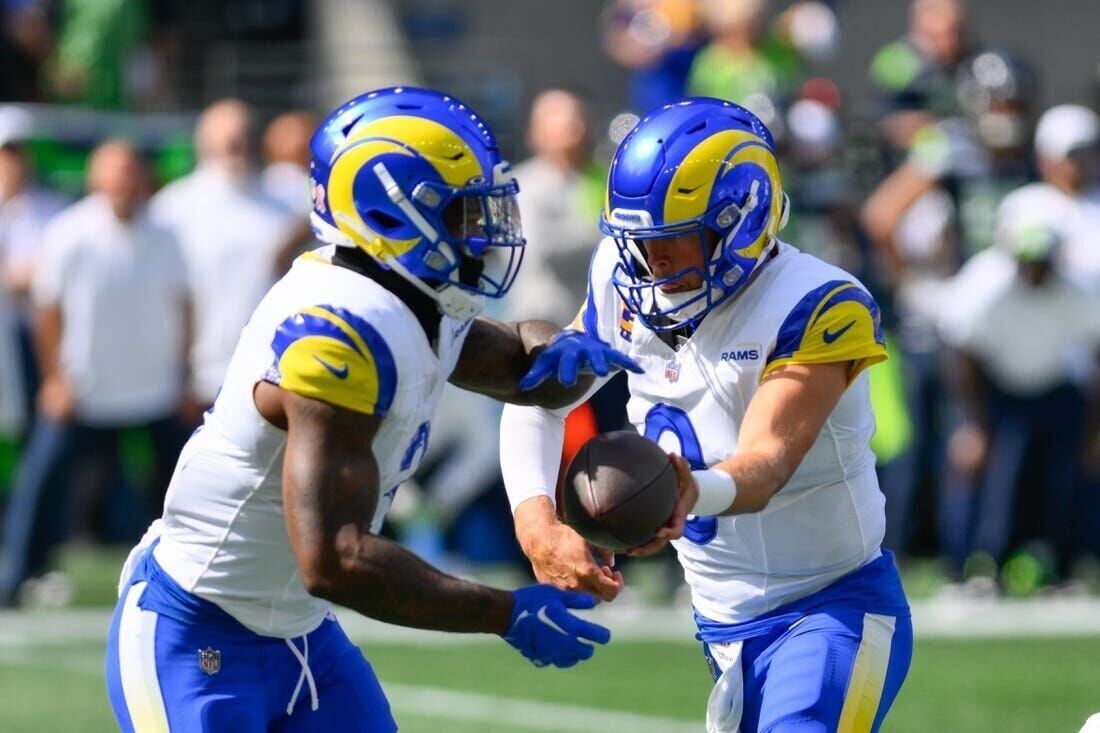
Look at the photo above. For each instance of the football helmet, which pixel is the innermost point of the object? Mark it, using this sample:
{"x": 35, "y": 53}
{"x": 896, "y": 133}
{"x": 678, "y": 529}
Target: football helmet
{"x": 700, "y": 166}
{"x": 414, "y": 178}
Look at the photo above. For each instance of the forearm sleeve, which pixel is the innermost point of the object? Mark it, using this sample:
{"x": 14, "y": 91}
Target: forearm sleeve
{"x": 530, "y": 448}
{"x": 530, "y": 451}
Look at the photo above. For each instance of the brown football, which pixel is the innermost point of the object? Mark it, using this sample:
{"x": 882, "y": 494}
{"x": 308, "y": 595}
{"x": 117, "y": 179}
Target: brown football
{"x": 619, "y": 489}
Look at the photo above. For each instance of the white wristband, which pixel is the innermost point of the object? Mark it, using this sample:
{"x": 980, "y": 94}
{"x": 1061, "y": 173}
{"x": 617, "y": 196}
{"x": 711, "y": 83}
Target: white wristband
{"x": 716, "y": 492}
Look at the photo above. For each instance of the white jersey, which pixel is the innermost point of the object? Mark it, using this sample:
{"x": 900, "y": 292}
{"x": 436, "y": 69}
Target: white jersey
{"x": 328, "y": 333}
{"x": 829, "y": 518}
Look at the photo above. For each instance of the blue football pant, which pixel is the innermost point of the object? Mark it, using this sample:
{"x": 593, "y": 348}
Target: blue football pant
{"x": 837, "y": 670}
{"x": 156, "y": 683}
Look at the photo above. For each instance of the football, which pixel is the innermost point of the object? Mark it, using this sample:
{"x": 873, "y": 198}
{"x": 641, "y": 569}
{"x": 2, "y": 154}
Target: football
{"x": 619, "y": 489}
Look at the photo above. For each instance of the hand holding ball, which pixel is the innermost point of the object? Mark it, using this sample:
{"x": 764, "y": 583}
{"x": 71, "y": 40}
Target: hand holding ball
{"x": 619, "y": 490}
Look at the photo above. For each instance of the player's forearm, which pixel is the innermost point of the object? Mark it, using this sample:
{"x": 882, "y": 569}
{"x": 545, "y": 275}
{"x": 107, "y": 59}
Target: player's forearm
{"x": 531, "y": 440}
{"x": 47, "y": 339}
{"x": 758, "y": 476}
{"x": 967, "y": 382}
{"x": 381, "y": 579}
{"x": 496, "y": 355}
{"x": 330, "y": 494}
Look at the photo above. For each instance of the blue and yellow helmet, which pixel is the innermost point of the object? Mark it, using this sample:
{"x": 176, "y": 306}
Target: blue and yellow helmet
{"x": 414, "y": 178}
{"x": 697, "y": 166}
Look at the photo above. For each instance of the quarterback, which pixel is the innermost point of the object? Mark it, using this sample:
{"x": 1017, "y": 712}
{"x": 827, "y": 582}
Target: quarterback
{"x": 224, "y": 621}
{"x": 754, "y": 359}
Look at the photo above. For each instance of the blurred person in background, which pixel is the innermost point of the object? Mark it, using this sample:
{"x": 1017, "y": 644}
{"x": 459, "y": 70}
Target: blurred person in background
{"x": 1066, "y": 148}
{"x": 657, "y": 40}
{"x": 924, "y": 219}
{"x": 285, "y": 147}
{"x": 232, "y": 234}
{"x": 561, "y": 193}
{"x": 931, "y": 214}
{"x": 26, "y": 40}
{"x": 111, "y": 324}
{"x": 285, "y": 178}
{"x": 823, "y": 221}
{"x": 25, "y": 210}
{"x": 1024, "y": 337}
{"x": 741, "y": 63}
{"x": 100, "y": 48}
{"x": 924, "y": 59}
{"x": 12, "y": 410}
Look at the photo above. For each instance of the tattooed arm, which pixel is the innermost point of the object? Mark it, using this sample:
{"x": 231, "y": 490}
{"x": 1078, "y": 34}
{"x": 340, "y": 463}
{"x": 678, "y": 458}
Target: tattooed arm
{"x": 496, "y": 355}
{"x": 330, "y": 491}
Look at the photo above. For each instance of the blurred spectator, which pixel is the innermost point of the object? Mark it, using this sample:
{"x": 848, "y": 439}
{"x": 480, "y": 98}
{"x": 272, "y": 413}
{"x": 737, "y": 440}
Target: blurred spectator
{"x": 285, "y": 177}
{"x": 741, "y": 63}
{"x": 996, "y": 91}
{"x": 922, "y": 63}
{"x": 931, "y": 213}
{"x": 1024, "y": 336}
{"x": 98, "y": 47}
{"x": 231, "y": 233}
{"x": 1066, "y": 149}
{"x": 12, "y": 408}
{"x": 561, "y": 194}
{"x": 823, "y": 218}
{"x": 25, "y": 209}
{"x": 112, "y": 309}
{"x": 26, "y": 39}
{"x": 657, "y": 40}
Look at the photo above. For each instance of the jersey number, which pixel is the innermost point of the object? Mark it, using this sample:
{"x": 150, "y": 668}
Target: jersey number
{"x": 666, "y": 418}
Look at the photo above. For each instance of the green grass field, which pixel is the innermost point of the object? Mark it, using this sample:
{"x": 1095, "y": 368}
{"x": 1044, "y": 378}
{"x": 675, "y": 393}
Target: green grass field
{"x": 51, "y": 678}
{"x": 994, "y": 686}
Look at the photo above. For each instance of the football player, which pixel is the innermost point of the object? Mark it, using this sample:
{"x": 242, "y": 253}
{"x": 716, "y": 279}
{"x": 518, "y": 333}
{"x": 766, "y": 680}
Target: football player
{"x": 754, "y": 358}
{"x": 224, "y": 621}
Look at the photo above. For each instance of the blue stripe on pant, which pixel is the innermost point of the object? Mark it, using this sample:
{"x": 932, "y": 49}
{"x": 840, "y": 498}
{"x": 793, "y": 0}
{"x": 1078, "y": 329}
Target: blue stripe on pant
{"x": 836, "y": 669}
{"x": 156, "y": 683}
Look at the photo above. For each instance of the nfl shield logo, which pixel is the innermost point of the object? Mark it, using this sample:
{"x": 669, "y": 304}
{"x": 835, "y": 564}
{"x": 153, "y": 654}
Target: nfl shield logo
{"x": 210, "y": 660}
{"x": 672, "y": 371}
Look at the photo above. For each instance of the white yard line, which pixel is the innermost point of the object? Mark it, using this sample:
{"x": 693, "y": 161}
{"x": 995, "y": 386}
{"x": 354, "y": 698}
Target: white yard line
{"x": 931, "y": 619}
{"x": 527, "y": 714}
{"x": 443, "y": 703}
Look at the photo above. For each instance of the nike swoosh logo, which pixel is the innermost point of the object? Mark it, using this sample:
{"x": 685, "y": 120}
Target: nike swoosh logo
{"x": 546, "y": 620}
{"x": 832, "y": 336}
{"x": 341, "y": 373}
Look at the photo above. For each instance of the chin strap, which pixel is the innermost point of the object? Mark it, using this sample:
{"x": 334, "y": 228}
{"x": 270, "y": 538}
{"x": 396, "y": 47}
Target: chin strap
{"x": 453, "y": 301}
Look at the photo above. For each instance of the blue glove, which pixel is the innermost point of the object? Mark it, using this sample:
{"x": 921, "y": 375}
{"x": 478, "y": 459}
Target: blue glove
{"x": 572, "y": 352}
{"x": 543, "y": 630}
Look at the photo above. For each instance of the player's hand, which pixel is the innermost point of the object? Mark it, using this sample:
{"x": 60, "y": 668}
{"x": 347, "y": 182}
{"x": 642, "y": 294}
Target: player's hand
{"x": 967, "y": 448}
{"x": 55, "y": 399}
{"x": 673, "y": 529}
{"x": 561, "y": 557}
{"x": 571, "y": 353}
{"x": 542, "y": 629}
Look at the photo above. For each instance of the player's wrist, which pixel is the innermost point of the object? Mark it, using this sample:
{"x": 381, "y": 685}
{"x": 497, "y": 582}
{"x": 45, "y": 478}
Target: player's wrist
{"x": 535, "y": 520}
{"x": 504, "y": 614}
{"x": 717, "y": 491}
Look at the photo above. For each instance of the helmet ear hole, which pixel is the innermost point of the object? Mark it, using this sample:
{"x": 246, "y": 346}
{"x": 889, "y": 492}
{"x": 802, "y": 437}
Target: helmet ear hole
{"x": 382, "y": 221}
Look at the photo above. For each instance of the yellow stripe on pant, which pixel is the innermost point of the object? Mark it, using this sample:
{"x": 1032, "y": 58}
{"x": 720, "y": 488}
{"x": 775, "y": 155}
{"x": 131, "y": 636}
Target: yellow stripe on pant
{"x": 137, "y": 665}
{"x": 868, "y": 675}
